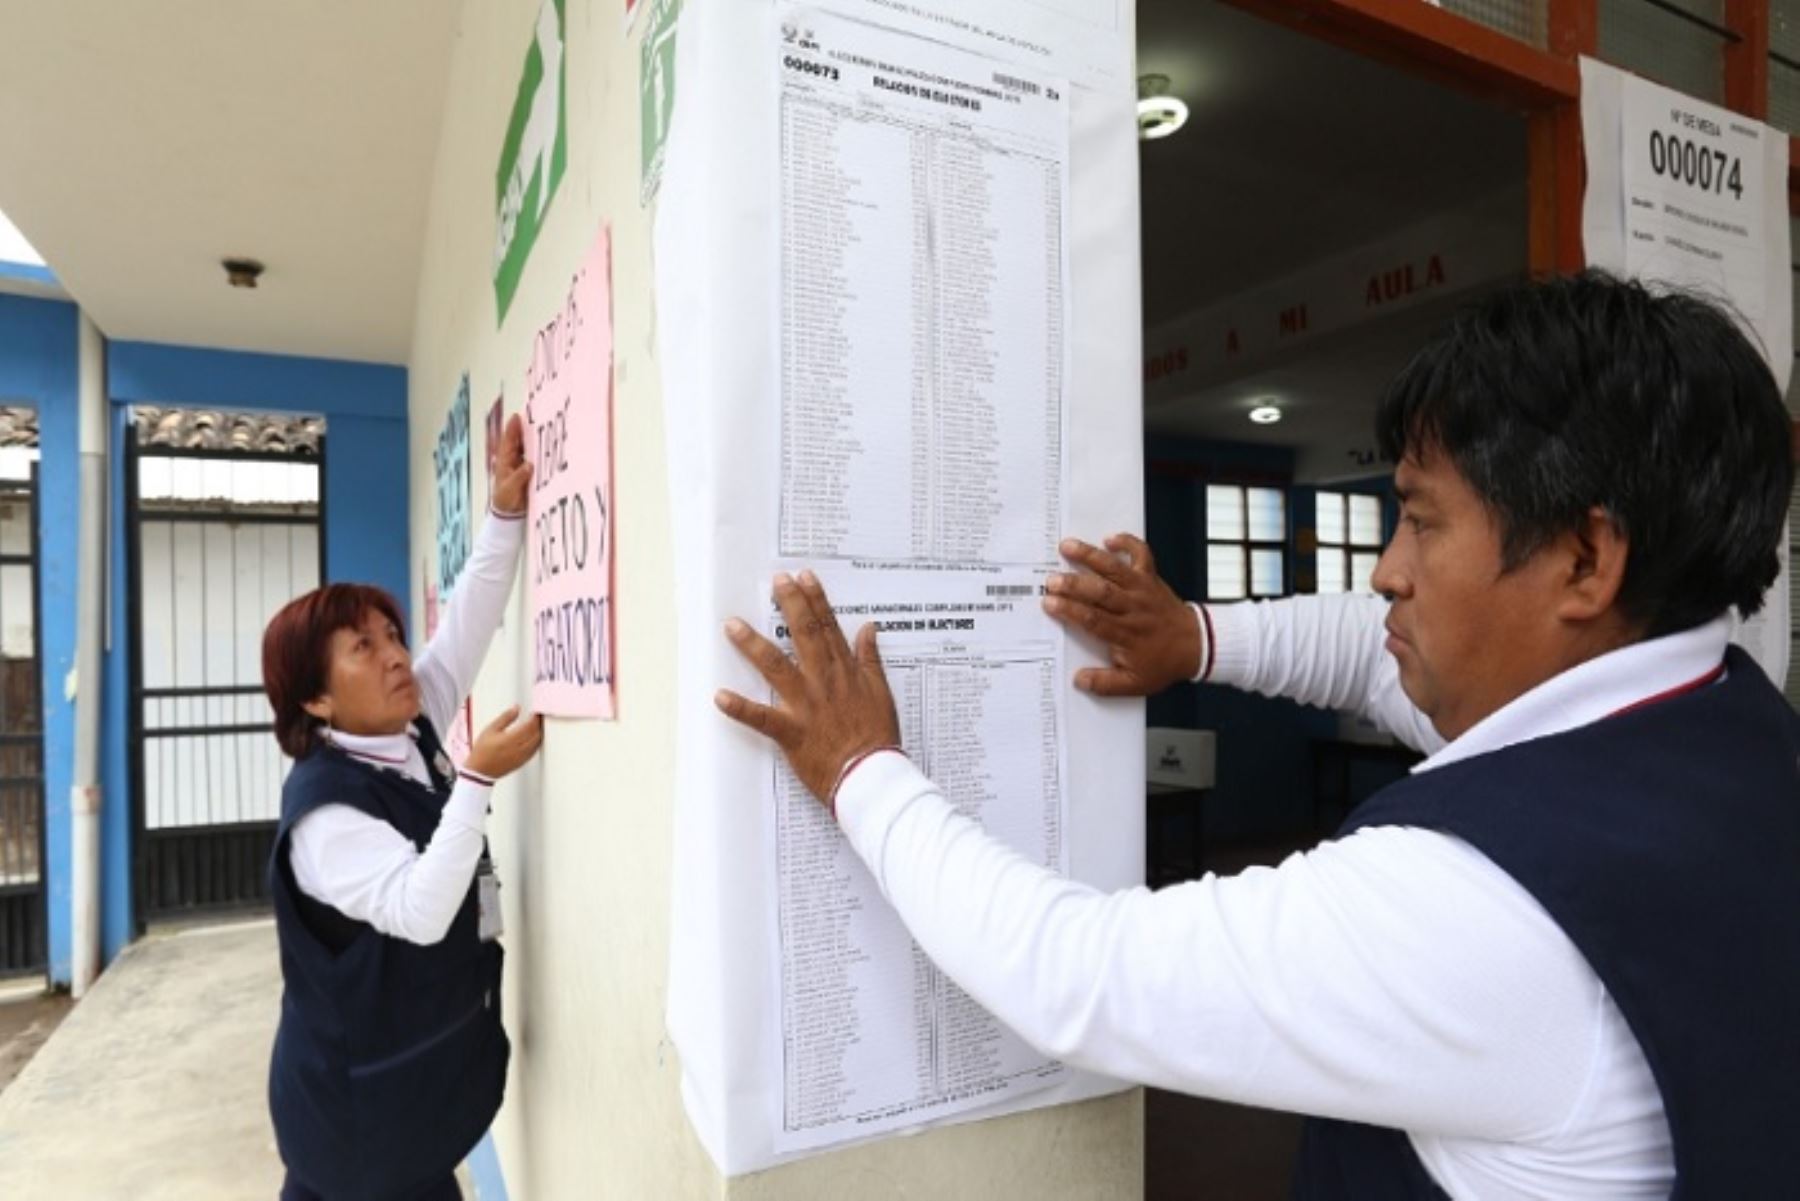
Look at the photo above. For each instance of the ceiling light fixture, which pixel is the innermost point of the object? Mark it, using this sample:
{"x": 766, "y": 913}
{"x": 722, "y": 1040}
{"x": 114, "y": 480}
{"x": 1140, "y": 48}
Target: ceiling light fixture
{"x": 241, "y": 273}
{"x": 1160, "y": 113}
{"x": 1265, "y": 414}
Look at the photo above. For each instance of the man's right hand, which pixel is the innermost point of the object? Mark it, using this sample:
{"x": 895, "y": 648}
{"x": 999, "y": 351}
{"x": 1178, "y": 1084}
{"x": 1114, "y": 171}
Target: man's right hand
{"x": 1153, "y": 636}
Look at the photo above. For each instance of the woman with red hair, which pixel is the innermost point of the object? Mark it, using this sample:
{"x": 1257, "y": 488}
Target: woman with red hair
{"x": 390, "y": 1059}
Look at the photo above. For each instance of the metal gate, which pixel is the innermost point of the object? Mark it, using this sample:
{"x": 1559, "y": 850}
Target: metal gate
{"x": 226, "y": 527}
{"x": 21, "y": 719}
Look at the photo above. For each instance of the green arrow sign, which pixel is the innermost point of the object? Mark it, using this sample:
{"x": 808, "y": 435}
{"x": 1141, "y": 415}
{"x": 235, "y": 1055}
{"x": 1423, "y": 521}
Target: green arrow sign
{"x": 533, "y": 156}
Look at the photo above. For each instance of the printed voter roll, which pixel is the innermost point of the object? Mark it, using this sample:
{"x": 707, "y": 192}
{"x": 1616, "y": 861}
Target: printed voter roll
{"x": 873, "y": 1036}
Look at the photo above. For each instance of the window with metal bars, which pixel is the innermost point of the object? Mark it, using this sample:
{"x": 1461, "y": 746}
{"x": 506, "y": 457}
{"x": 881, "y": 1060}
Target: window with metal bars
{"x": 1678, "y": 43}
{"x": 1526, "y": 20}
{"x": 1246, "y": 542}
{"x": 1784, "y": 65}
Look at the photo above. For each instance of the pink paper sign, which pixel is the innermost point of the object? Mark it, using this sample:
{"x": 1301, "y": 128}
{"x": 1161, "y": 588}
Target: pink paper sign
{"x": 569, "y": 554}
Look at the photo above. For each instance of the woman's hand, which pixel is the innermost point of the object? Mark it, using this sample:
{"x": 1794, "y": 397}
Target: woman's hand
{"x": 503, "y": 747}
{"x": 833, "y": 705}
{"x": 1151, "y": 632}
{"x": 511, "y": 484}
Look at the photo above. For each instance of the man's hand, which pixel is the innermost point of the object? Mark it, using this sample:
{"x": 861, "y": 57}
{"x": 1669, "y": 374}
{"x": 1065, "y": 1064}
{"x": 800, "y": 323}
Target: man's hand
{"x": 833, "y": 705}
{"x": 512, "y": 474}
{"x": 1153, "y": 636}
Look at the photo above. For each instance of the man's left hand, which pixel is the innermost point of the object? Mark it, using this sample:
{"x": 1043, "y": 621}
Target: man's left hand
{"x": 833, "y": 703}
{"x": 512, "y": 474}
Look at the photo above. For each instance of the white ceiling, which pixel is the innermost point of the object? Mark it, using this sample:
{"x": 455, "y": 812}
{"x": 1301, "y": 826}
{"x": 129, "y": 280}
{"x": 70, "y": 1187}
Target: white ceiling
{"x": 142, "y": 142}
{"x": 1328, "y": 396}
{"x": 1297, "y": 151}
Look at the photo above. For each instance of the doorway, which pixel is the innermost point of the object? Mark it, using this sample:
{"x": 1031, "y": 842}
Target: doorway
{"x": 22, "y": 907}
{"x": 1318, "y": 216}
{"x": 226, "y": 524}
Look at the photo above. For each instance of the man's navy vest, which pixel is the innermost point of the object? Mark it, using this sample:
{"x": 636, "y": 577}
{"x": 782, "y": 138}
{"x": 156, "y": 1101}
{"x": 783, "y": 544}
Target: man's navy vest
{"x": 1665, "y": 841}
{"x": 390, "y": 1059}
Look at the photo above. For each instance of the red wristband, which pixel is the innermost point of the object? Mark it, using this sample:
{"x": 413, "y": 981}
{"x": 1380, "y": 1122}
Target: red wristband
{"x": 855, "y": 762}
{"x": 1212, "y": 644}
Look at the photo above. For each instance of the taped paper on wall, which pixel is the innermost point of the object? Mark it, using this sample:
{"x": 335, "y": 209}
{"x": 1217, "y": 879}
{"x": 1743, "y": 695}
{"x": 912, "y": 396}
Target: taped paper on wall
{"x": 1686, "y": 194}
{"x": 569, "y": 549}
{"x": 923, "y": 285}
{"x": 869, "y": 232}
{"x": 450, "y": 461}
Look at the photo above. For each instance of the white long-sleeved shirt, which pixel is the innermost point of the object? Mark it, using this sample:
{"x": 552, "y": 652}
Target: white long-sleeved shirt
{"x": 1396, "y": 977}
{"x": 365, "y": 868}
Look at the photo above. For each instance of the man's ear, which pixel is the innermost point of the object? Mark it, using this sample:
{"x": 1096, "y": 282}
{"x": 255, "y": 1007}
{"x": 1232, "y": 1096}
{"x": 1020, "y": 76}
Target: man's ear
{"x": 1597, "y": 552}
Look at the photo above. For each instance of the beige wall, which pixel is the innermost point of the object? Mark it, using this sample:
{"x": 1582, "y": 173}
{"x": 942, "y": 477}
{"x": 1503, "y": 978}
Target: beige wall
{"x": 582, "y": 836}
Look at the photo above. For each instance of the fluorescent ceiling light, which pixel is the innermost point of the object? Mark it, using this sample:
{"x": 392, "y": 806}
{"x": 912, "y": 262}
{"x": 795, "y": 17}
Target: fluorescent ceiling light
{"x": 1265, "y": 414}
{"x": 13, "y": 246}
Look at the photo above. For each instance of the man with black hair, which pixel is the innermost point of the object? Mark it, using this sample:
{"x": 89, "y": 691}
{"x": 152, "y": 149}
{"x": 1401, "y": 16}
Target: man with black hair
{"x": 1562, "y": 958}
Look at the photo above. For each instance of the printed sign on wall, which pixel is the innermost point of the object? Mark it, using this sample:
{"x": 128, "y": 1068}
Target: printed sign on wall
{"x": 568, "y": 438}
{"x": 533, "y": 155}
{"x": 1685, "y": 194}
{"x": 451, "y": 459}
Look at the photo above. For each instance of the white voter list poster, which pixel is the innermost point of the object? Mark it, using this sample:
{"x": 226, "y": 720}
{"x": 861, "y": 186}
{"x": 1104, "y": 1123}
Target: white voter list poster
{"x": 1682, "y": 193}
{"x": 1694, "y": 198}
{"x": 923, "y": 476}
{"x": 922, "y": 305}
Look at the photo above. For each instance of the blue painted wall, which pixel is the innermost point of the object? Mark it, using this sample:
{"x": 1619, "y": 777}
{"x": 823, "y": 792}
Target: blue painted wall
{"x": 38, "y": 358}
{"x": 366, "y": 501}
{"x": 366, "y": 536}
{"x": 366, "y": 452}
{"x": 118, "y": 923}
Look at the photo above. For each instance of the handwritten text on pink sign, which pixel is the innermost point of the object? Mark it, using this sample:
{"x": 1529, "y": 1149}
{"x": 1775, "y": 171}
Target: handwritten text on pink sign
{"x": 568, "y": 416}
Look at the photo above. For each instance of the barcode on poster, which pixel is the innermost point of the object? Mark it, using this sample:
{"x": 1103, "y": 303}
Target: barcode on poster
{"x": 1018, "y": 85}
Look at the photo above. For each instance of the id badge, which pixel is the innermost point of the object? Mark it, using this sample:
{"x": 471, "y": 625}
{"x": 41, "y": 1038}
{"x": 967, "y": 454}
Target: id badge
{"x": 487, "y": 901}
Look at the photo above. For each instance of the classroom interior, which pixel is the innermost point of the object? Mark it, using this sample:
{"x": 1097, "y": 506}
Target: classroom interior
{"x": 1316, "y": 217}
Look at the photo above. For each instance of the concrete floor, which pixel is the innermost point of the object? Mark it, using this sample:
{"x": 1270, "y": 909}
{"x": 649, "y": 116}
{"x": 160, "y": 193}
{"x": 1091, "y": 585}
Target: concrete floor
{"x": 28, "y": 1017}
{"x": 152, "y": 1089}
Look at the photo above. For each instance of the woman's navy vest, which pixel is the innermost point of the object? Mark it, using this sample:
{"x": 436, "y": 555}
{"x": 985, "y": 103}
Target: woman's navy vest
{"x": 390, "y": 1059}
{"x": 1665, "y": 842}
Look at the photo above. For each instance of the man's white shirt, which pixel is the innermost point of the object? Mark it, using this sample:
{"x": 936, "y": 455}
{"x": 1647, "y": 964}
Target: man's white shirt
{"x": 1396, "y": 977}
{"x": 362, "y": 866}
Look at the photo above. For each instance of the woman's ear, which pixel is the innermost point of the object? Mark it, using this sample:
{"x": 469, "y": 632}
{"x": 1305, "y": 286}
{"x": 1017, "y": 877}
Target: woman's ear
{"x": 320, "y": 709}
